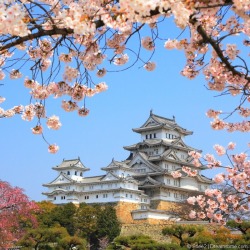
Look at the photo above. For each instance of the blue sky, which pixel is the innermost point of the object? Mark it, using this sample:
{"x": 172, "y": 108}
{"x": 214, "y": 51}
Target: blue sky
{"x": 98, "y": 138}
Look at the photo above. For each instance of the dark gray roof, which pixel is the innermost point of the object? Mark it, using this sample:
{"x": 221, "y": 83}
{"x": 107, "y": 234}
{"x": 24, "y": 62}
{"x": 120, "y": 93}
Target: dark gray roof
{"x": 155, "y": 122}
{"x": 149, "y": 181}
{"x": 69, "y": 164}
{"x": 117, "y": 164}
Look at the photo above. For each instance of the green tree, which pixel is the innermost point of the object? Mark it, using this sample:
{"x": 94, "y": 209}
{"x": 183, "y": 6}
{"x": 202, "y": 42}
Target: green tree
{"x": 44, "y": 214}
{"x": 71, "y": 243}
{"x": 107, "y": 223}
{"x": 64, "y": 215}
{"x": 140, "y": 242}
{"x": 85, "y": 221}
{"x": 244, "y": 226}
{"x": 183, "y": 233}
{"x": 35, "y": 238}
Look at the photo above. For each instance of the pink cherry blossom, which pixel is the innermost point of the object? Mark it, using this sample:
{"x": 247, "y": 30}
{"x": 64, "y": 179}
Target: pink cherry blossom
{"x": 83, "y": 111}
{"x": 53, "y": 148}
{"x": 37, "y": 130}
{"x": 231, "y": 146}
{"x": 191, "y": 200}
{"x": 219, "y": 149}
{"x": 147, "y": 43}
{"x": 2, "y": 99}
{"x": 176, "y": 174}
{"x": 192, "y": 214}
{"x": 219, "y": 178}
{"x": 53, "y": 122}
{"x": 149, "y": 66}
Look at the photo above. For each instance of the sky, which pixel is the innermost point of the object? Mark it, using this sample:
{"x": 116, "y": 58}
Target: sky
{"x": 99, "y": 137}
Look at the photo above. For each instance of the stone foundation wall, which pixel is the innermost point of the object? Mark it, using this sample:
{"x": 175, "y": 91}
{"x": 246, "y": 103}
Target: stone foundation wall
{"x": 123, "y": 211}
{"x": 164, "y": 205}
{"x": 154, "y": 231}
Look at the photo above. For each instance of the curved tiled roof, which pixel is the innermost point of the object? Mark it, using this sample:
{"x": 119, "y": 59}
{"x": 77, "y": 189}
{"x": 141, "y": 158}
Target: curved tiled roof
{"x": 155, "y": 122}
{"x": 73, "y": 163}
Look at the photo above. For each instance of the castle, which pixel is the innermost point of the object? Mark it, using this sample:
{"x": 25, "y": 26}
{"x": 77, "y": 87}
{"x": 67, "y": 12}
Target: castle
{"x": 141, "y": 186}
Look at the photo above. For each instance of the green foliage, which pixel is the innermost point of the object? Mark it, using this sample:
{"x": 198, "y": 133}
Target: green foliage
{"x": 85, "y": 220}
{"x": 97, "y": 224}
{"x": 71, "y": 242}
{"x": 140, "y": 242}
{"x": 183, "y": 233}
{"x": 243, "y": 226}
{"x": 107, "y": 223}
{"x": 244, "y": 239}
{"x": 42, "y": 237}
{"x": 156, "y": 246}
{"x": 44, "y": 214}
{"x": 64, "y": 215}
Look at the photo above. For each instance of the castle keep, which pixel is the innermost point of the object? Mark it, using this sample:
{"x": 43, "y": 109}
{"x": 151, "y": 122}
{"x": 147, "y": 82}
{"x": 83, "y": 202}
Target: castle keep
{"x": 141, "y": 186}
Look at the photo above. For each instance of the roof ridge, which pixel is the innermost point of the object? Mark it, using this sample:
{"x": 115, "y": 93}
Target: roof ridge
{"x": 165, "y": 118}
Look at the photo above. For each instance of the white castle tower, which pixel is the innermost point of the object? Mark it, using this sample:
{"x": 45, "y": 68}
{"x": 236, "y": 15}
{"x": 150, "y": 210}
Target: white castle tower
{"x": 142, "y": 184}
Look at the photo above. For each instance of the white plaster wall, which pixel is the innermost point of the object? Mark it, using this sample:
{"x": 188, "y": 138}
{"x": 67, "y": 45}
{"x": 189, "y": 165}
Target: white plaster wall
{"x": 111, "y": 197}
{"x": 189, "y": 183}
{"x": 151, "y": 215}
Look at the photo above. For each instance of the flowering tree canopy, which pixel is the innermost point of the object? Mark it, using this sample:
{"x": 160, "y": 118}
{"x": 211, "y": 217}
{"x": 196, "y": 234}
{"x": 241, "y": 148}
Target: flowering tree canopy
{"x": 15, "y": 212}
{"x": 58, "y": 47}
{"x": 231, "y": 199}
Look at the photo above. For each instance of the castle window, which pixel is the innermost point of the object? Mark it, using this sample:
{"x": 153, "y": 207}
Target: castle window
{"x": 105, "y": 195}
{"x": 154, "y": 135}
{"x": 96, "y": 196}
{"x": 150, "y": 136}
{"x": 168, "y": 181}
{"x": 75, "y": 172}
{"x": 91, "y": 187}
{"x": 146, "y": 136}
{"x": 68, "y": 172}
{"x": 176, "y": 182}
{"x": 175, "y": 195}
{"x": 86, "y": 197}
{"x": 126, "y": 195}
{"x": 54, "y": 198}
{"x": 199, "y": 187}
{"x": 80, "y": 173}
{"x": 131, "y": 196}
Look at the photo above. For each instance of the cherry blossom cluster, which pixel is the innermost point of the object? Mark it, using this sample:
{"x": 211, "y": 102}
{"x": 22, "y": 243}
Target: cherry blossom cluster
{"x": 78, "y": 38}
{"x": 14, "y": 204}
{"x": 216, "y": 204}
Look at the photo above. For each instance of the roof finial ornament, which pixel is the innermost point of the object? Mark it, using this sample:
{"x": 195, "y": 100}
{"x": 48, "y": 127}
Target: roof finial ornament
{"x": 151, "y": 111}
{"x": 174, "y": 118}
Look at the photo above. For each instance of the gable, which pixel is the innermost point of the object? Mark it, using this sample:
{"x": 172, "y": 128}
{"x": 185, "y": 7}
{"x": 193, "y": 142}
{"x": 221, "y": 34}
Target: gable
{"x": 180, "y": 144}
{"x": 149, "y": 181}
{"x": 79, "y": 164}
{"x": 109, "y": 177}
{"x": 61, "y": 179}
{"x": 150, "y": 122}
{"x": 172, "y": 156}
{"x": 141, "y": 165}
